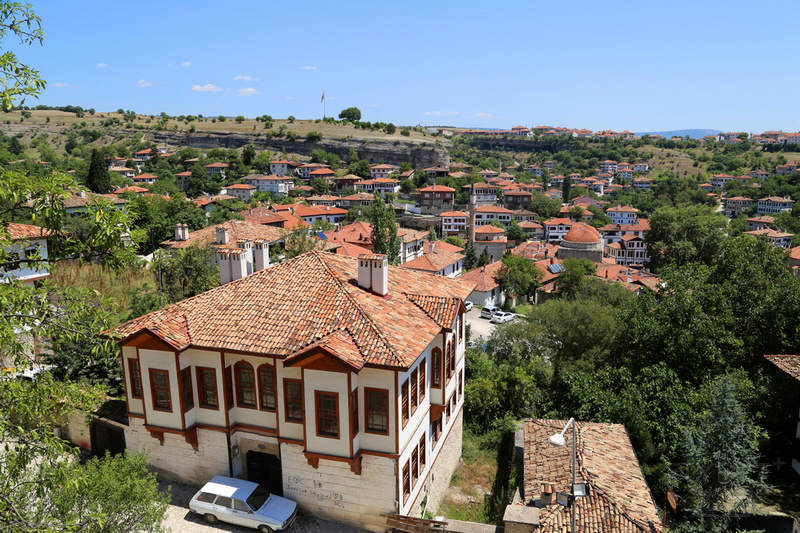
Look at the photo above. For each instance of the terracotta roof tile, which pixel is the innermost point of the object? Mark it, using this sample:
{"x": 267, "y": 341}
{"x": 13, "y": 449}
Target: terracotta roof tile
{"x": 483, "y": 277}
{"x": 286, "y": 308}
{"x": 238, "y": 230}
{"x": 788, "y": 363}
{"x": 619, "y": 499}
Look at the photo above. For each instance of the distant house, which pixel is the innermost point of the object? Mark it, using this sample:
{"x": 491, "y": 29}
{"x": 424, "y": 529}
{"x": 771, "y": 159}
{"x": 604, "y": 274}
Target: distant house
{"x": 144, "y": 179}
{"x": 25, "y": 241}
{"x": 281, "y": 167}
{"x": 780, "y": 239}
{"x": 453, "y": 223}
{"x": 436, "y": 197}
{"x": 242, "y": 191}
{"x": 623, "y": 214}
{"x": 492, "y": 239}
{"x": 381, "y": 171}
{"x": 720, "y": 180}
{"x": 487, "y": 291}
{"x": 483, "y": 193}
{"x": 182, "y": 179}
{"x": 773, "y": 205}
{"x": 737, "y": 204}
{"x": 486, "y": 214}
{"x": 306, "y": 170}
{"x": 216, "y": 169}
{"x": 79, "y": 201}
{"x": 556, "y": 228}
{"x": 242, "y": 247}
{"x": 644, "y": 184}
{"x": 360, "y": 199}
{"x": 125, "y": 172}
{"x": 437, "y": 261}
{"x": 274, "y": 183}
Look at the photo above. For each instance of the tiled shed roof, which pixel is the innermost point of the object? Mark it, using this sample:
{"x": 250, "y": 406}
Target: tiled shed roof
{"x": 788, "y": 363}
{"x": 313, "y": 299}
{"x": 619, "y": 499}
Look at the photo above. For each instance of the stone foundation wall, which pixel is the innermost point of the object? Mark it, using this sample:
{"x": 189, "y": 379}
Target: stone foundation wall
{"x": 333, "y": 492}
{"x": 176, "y": 460}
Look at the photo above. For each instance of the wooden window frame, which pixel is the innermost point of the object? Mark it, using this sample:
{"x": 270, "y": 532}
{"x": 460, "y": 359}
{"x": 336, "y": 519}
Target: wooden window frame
{"x": 423, "y": 386}
{"x": 290, "y": 401}
{"x": 135, "y": 377}
{"x": 227, "y": 377}
{"x": 379, "y": 411}
{"x": 155, "y": 388}
{"x": 414, "y": 399}
{"x": 436, "y": 368}
{"x": 327, "y": 413}
{"x": 354, "y": 418}
{"x": 204, "y": 388}
{"x": 404, "y": 410}
{"x": 422, "y": 459}
{"x": 266, "y": 391}
{"x": 406, "y": 482}
{"x": 414, "y": 466}
{"x": 241, "y": 388}
{"x": 187, "y": 391}
{"x": 460, "y": 384}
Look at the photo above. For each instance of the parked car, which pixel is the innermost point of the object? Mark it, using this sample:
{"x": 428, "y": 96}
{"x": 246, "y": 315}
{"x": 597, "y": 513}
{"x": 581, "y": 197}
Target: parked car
{"x": 502, "y": 316}
{"x": 243, "y": 503}
{"x": 469, "y": 305}
{"x": 488, "y": 311}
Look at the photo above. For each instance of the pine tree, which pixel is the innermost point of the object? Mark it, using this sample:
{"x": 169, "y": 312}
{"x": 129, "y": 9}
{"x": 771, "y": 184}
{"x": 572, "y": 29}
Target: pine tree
{"x": 384, "y": 230}
{"x": 98, "y": 179}
{"x": 483, "y": 260}
{"x": 565, "y": 189}
{"x": 471, "y": 259}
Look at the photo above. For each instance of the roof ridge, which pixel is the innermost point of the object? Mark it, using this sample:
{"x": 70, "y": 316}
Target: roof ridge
{"x": 365, "y": 316}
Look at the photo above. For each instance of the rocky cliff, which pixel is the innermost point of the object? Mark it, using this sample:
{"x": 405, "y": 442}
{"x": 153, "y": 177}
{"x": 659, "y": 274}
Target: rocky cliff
{"x": 418, "y": 154}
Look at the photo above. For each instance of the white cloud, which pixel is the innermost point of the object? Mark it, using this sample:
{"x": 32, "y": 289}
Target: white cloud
{"x": 64, "y": 85}
{"x": 433, "y": 113}
{"x": 374, "y": 105}
{"x": 243, "y": 78}
{"x": 144, "y": 83}
{"x": 207, "y": 88}
{"x": 483, "y": 115}
{"x": 308, "y": 68}
{"x": 248, "y": 91}
{"x": 101, "y": 65}
{"x": 186, "y": 64}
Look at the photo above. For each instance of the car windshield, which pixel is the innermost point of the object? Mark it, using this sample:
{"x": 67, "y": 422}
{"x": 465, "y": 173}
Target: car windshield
{"x": 257, "y": 499}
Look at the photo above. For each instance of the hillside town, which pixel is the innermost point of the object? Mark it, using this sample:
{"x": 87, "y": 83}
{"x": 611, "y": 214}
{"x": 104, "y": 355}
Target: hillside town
{"x": 342, "y": 330}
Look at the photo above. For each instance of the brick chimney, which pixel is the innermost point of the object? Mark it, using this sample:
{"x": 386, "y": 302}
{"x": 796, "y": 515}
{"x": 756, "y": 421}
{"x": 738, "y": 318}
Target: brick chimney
{"x": 222, "y": 235}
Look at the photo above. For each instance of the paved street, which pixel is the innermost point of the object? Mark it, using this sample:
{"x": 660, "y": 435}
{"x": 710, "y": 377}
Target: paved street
{"x": 180, "y": 520}
{"x": 480, "y": 327}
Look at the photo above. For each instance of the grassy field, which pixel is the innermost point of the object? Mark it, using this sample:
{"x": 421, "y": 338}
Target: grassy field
{"x": 121, "y": 285}
{"x": 60, "y": 121}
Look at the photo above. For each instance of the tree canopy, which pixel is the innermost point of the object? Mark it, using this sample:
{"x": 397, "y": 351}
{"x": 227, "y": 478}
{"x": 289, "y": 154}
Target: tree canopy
{"x": 353, "y": 114}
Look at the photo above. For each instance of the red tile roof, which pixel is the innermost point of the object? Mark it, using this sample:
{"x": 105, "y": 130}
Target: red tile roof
{"x": 619, "y": 499}
{"x": 238, "y": 230}
{"x": 483, "y": 277}
{"x": 788, "y": 363}
{"x": 19, "y": 232}
{"x": 313, "y": 300}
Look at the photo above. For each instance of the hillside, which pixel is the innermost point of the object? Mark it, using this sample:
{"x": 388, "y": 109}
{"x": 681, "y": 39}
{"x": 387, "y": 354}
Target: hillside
{"x": 281, "y": 136}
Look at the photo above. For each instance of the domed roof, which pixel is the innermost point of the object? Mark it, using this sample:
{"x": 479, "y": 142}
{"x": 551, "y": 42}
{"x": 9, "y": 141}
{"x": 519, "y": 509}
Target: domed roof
{"x": 582, "y": 233}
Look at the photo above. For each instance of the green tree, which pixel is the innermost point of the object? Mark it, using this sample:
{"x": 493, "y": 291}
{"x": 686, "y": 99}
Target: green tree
{"x": 188, "y": 273}
{"x": 98, "y": 180}
{"x": 353, "y": 114}
{"x": 514, "y": 232}
{"x": 566, "y": 188}
{"x": 483, "y": 259}
{"x": 455, "y": 240}
{"x": 239, "y": 119}
{"x": 321, "y": 185}
{"x": 313, "y": 136}
{"x": 19, "y": 80}
{"x": 518, "y": 275}
{"x": 390, "y": 128}
{"x": 471, "y": 259}
{"x": 248, "y": 155}
{"x": 359, "y": 168}
{"x": 683, "y": 235}
{"x": 721, "y": 472}
{"x": 384, "y": 230}
{"x": 572, "y": 279}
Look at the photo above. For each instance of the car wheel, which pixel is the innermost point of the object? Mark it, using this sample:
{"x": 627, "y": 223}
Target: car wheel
{"x": 210, "y": 518}
{"x": 265, "y": 529}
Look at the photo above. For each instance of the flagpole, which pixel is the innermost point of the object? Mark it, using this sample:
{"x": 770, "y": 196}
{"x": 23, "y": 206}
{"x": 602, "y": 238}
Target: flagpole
{"x": 324, "y": 104}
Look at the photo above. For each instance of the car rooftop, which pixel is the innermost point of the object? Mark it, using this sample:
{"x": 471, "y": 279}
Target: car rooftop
{"x": 228, "y": 487}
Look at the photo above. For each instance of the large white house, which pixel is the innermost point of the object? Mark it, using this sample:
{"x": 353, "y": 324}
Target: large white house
{"x": 24, "y": 241}
{"x": 337, "y": 382}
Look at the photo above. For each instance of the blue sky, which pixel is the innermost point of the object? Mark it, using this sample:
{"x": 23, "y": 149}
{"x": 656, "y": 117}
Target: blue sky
{"x": 621, "y": 65}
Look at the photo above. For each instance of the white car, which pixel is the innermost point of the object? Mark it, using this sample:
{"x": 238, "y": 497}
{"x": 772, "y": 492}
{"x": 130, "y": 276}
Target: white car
{"x": 469, "y": 305}
{"x": 501, "y": 316}
{"x": 243, "y": 503}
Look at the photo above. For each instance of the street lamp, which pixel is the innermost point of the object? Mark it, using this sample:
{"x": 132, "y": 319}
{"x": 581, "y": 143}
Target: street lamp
{"x": 577, "y": 489}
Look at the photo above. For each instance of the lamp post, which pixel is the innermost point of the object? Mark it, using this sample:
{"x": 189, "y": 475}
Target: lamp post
{"x": 559, "y": 441}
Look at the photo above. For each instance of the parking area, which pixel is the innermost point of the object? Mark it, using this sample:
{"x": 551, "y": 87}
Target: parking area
{"x": 480, "y": 327}
{"x": 180, "y": 520}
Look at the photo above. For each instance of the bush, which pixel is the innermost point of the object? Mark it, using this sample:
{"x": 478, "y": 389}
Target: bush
{"x": 313, "y": 136}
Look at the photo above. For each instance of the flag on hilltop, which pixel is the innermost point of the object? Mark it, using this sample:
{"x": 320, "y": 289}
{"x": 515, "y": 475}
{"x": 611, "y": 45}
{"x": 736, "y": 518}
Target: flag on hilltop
{"x": 323, "y": 97}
